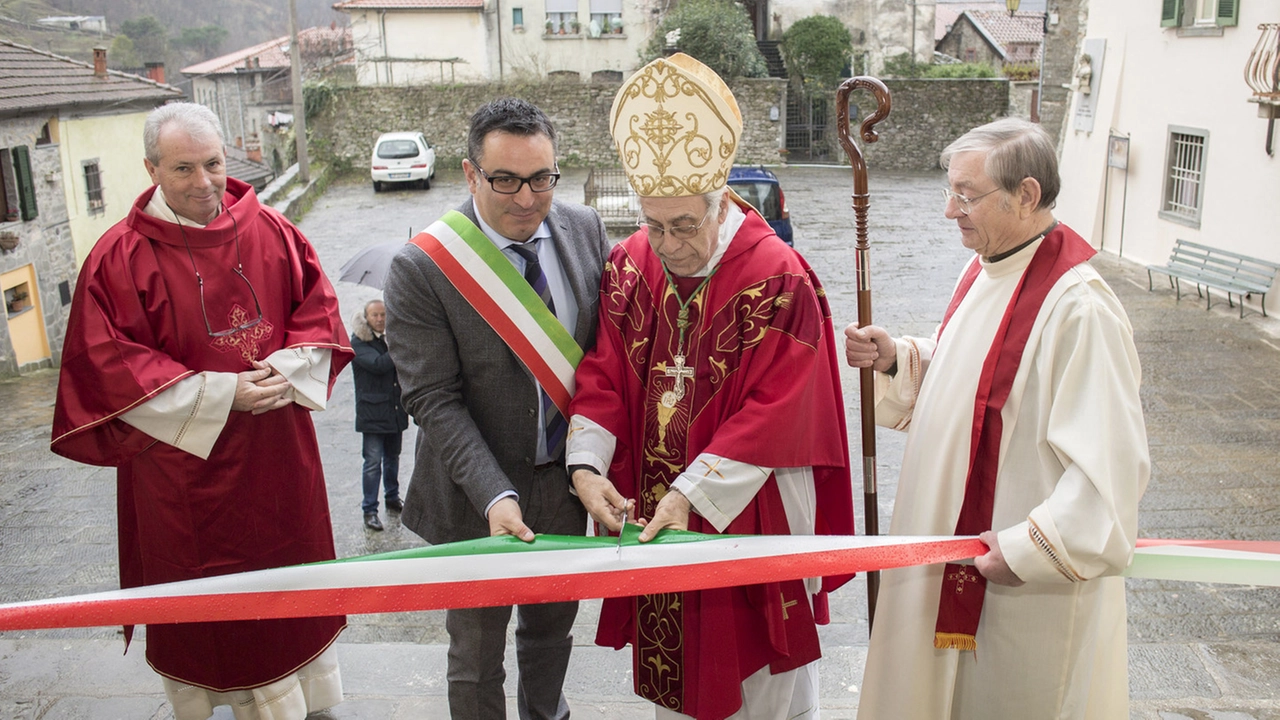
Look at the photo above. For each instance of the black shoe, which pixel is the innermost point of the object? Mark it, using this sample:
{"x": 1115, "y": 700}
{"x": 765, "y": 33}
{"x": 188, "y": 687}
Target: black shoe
{"x": 372, "y": 522}
{"x": 394, "y": 506}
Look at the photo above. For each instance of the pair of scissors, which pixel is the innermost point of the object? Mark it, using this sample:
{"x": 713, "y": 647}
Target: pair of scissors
{"x": 622, "y": 529}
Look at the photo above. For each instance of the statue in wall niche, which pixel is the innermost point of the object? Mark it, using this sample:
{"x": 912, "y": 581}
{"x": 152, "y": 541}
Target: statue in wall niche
{"x": 1084, "y": 74}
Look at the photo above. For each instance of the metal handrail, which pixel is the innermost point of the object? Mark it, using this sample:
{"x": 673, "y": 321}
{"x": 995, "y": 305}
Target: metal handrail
{"x": 1262, "y": 71}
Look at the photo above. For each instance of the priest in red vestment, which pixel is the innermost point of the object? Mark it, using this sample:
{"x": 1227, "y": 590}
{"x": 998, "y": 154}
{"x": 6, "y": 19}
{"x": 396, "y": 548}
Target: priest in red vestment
{"x": 712, "y": 403}
{"x": 203, "y": 333}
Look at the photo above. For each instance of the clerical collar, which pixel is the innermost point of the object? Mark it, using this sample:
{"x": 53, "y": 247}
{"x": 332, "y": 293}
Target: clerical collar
{"x": 159, "y": 209}
{"x": 1010, "y": 253}
{"x": 503, "y": 242}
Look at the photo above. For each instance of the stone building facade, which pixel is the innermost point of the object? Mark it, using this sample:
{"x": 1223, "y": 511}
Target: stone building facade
{"x": 36, "y": 275}
{"x": 1063, "y": 37}
{"x": 70, "y": 165}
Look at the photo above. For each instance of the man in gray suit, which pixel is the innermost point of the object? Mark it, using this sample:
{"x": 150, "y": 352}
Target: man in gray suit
{"x": 490, "y": 456}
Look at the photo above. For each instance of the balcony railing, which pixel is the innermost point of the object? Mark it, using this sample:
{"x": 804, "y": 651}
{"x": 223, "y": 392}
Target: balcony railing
{"x": 1262, "y": 74}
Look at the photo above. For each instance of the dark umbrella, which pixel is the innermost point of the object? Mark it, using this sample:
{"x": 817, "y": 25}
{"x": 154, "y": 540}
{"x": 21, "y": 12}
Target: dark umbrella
{"x": 370, "y": 265}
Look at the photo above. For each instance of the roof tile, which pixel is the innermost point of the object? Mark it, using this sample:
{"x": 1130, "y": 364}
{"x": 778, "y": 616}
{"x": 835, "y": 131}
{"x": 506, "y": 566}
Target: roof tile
{"x": 272, "y": 53}
{"x": 1020, "y": 28}
{"x": 32, "y": 79}
{"x": 407, "y": 4}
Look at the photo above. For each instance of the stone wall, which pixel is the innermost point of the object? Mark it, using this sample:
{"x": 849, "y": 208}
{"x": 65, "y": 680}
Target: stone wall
{"x": 44, "y": 242}
{"x": 1068, "y": 20}
{"x": 354, "y": 117}
{"x": 926, "y": 116}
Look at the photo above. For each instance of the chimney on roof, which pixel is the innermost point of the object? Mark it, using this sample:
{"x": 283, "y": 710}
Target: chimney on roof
{"x": 155, "y": 71}
{"x": 253, "y": 149}
{"x": 100, "y": 62}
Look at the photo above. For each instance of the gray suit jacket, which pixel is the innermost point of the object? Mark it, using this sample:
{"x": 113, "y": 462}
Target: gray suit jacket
{"x": 475, "y": 402}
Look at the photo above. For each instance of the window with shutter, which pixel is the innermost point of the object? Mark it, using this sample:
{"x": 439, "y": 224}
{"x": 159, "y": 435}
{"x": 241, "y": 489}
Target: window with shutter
{"x": 1170, "y": 13}
{"x": 561, "y": 14}
{"x": 26, "y": 183}
{"x": 606, "y": 17}
{"x": 1228, "y": 13}
{"x": 93, "y": 186}
{"x": 8, "y": 188}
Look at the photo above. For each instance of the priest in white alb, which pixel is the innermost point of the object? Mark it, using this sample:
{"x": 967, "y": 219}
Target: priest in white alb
{"x": 1024, "y": 426}
{"x": 711, "y": 402}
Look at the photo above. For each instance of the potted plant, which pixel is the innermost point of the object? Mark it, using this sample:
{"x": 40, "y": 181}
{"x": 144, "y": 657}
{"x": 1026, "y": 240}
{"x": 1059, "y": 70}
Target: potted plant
{"x": 616, "y": 26}
{"x": 549, "y": 26}
{"x": 575, "y": 26}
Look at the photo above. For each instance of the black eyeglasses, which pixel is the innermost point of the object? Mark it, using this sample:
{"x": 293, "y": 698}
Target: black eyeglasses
{"x": 510, "y": 184}
{"x": 238, "y": 270}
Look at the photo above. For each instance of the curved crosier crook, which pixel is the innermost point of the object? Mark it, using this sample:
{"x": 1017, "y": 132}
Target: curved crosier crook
{"x": 866, "y": 377}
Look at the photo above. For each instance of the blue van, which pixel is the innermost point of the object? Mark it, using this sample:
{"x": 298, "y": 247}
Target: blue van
{"x": 759, "y": 186}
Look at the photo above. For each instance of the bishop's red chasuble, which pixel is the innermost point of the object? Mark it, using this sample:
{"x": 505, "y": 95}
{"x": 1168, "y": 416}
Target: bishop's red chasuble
{"x": 137, "y": 327}
{"x": 765, "y": 390}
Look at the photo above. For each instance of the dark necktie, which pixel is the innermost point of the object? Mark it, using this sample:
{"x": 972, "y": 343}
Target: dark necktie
{"x": 553, "y": 422}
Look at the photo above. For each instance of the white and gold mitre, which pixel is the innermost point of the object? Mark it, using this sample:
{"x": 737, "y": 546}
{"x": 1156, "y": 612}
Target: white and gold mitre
{"x": 676, "y": 125}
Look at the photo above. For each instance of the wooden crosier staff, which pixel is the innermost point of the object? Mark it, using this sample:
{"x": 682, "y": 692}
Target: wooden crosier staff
{"x": 861, "y": 201}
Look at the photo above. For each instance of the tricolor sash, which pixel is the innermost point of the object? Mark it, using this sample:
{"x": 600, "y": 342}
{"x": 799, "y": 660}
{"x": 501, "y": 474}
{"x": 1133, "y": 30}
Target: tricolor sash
{"x": 491, "y": 284}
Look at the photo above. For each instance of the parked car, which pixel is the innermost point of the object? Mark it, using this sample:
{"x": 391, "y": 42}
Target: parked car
{"x": 760, "y": 187}
{"x": 402, "y": 157}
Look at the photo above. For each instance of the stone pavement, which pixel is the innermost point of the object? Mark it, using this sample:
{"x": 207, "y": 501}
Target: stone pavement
{"x": 1211, "y": 392}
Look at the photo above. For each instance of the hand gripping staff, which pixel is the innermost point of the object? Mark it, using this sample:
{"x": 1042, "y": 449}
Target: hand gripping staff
{"x": 861, "y": 201}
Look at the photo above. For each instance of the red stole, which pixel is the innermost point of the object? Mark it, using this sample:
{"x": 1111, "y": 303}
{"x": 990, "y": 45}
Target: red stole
{"x": 765, "y": 391}
{"x": 963, "y": 587}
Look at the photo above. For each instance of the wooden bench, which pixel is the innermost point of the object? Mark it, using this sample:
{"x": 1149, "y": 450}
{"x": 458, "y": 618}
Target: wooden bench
{"x": 1207, "y": 267}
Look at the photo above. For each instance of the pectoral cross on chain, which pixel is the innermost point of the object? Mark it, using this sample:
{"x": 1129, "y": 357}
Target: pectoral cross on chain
{"x": 679, "y": 372}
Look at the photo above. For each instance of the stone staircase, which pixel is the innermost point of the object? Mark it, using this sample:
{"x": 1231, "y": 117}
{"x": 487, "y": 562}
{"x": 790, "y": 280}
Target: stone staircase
{"x": 773, "y": 57}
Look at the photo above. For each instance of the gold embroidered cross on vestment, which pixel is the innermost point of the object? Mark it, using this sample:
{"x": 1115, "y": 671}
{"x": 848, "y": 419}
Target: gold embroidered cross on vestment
{"x": 962, "y": 577}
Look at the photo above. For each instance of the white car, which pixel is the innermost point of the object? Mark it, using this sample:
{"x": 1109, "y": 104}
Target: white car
{"x": 402, "y": 157}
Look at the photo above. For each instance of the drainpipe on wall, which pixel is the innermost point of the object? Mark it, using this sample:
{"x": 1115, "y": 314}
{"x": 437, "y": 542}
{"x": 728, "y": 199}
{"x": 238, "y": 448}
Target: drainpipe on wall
{"x": 497, "y": 4}
{"x": 386, "y": 54}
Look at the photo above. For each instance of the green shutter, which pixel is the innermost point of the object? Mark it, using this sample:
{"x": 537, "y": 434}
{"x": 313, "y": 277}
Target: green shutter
{"x": 8, "y": 189}
{"x": 1170, "y": 13}
{"x": 1228, "y": 12}
{"x": 26, "y": 184}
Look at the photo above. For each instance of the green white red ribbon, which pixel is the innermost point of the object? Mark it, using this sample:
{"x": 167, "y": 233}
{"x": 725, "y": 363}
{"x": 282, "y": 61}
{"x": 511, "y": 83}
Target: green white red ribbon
{"x": 505, "y": 571}
{"x": 1232, "y": 562}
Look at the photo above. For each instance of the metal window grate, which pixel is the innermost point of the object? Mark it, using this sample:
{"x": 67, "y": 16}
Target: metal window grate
{"x": 93, "y": 187}
{"x": 1186, "y": 174}
{"x": 608, "y": 191}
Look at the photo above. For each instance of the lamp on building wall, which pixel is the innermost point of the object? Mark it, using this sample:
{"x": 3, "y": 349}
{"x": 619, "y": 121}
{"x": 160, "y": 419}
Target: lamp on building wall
{"x": 1012, "y": 5}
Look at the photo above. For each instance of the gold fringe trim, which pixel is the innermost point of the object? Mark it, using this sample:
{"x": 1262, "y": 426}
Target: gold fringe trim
{"x": 954, "y": 641}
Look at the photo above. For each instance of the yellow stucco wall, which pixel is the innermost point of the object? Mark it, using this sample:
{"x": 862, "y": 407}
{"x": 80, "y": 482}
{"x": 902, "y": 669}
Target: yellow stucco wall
{"x": 26, "y": 324}
{"x": 116, "y": 142}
